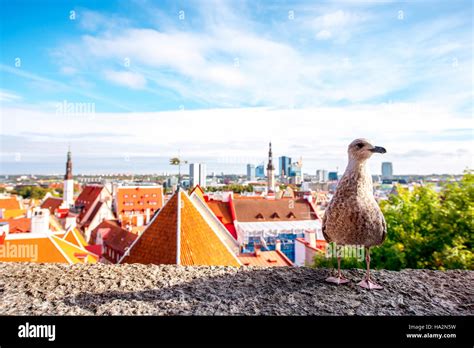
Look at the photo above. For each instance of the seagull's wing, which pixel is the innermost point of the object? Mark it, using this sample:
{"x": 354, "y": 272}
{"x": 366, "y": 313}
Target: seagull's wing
{"x": 323, "y": 227}
{"x": 384, "y": 228}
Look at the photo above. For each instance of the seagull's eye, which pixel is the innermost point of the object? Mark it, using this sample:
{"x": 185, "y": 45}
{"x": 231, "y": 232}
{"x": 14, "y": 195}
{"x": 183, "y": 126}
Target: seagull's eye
{"x": 360, "y": 145}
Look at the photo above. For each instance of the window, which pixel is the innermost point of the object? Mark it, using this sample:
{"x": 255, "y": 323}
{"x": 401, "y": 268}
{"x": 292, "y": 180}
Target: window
{"x": 126, "y": 196}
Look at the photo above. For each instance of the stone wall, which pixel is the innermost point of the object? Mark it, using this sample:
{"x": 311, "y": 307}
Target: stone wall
{"x": 53, "y": 289}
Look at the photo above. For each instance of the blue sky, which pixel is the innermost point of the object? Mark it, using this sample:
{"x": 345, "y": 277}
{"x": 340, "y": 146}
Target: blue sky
{"x": 216, "y": 80}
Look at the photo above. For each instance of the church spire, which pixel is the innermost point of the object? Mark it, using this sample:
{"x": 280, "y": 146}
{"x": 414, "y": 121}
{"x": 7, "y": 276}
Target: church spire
{"x": 270, "y": 165}
{"x": 68, "y": 175}
{"x": 270, "y": 171}
{"x": 68, "y": 188}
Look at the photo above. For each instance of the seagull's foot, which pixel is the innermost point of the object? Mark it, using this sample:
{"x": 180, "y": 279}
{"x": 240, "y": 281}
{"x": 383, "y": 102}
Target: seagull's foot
{"x": 368, "y": 284}
{"x": 337, "y": 280}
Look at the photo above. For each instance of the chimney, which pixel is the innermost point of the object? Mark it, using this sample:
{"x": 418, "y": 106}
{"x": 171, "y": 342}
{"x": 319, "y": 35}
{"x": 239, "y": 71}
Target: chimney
{"x": 258, "y": 250}
{"x": 310, "y": 237}
{"x": 278, "y": 245}
{"x": 40, "y": 221}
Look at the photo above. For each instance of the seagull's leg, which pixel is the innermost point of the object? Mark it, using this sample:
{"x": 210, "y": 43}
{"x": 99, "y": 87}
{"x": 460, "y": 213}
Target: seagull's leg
{"x": 367, "y": 282}
{"x": 339, "y": 266}
{"x": 340, "y": 278}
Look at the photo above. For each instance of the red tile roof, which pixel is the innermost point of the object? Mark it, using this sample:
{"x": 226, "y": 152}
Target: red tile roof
{"x": 180, "y": 234}
{"x": 222, "y": 210}
{"x": 9, "y": 203}
{"x": 271, "y": 258}
{"x": 320, "y": 244}
{"x": 199, "y": 243}
{"x": 94, "y": 249}
{"x": 50, "y": 248}
{"x": 284, "y": 209}
{"x": 198, "y": 191}
{"x": 75, "y": 237}
{"x": 113, "y": 236}
{"x": 88, "y": 196}
{"x": 105, "y": 227}
{"x": 52, "y": 203}
{"x": 20, "y": 225}
{"x": 93, "y": 213}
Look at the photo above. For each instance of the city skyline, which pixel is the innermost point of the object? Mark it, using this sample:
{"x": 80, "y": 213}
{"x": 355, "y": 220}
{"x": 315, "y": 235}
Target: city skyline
{"x": 218, "y": 80}
{"x": 215, "y": 169}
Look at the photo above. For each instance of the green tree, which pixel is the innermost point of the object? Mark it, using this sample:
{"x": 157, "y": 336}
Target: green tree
{"x": 236, "y": 188}
{"x": 35, "y": 192}
{"x": 426, "y": 229}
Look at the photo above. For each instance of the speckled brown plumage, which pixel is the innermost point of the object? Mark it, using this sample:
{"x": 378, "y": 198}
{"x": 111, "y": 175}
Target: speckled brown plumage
{"x": 353, "y": 217}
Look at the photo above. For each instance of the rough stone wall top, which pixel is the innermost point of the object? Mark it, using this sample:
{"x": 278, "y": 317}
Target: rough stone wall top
{"x": 136, "y": 289}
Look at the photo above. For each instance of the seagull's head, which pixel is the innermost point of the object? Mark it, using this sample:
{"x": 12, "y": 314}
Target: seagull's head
{"x": 362, "y": 149}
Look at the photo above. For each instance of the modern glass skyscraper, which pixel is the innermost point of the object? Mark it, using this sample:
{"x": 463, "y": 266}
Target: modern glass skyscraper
{"x": 197, "y": 174}
{"x": 260, "y": 171}
{"x": 322, "y": 175}
{"x": 284, "y": 166}
{"x": 387, "y": 170}
{"x": 250, "y": 172}
{"x": 332, "y": 176}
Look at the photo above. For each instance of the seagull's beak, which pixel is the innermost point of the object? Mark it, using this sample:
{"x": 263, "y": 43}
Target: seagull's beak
{"x": 378, "y": 149}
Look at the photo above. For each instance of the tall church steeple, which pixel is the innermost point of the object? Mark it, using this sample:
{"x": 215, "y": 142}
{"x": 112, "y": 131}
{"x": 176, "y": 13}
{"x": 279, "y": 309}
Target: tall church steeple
{"x": 68, "y": 175}
{"x": 68, "y": 187}
{"x": 270, "y": 171}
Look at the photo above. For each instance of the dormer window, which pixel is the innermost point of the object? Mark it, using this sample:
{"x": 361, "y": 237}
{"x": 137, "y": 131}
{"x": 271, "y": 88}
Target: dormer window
{"x": 259, "y": 216}
{"x": 291, "y": 215}
{"x": 275, "y": 215}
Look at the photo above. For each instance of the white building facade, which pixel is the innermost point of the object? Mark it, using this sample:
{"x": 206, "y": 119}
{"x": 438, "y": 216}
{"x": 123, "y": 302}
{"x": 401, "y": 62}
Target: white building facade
{"x": 197, "y": 174}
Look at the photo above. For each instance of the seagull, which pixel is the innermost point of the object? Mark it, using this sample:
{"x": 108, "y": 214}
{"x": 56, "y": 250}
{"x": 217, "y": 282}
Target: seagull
{"x": 353, "y": 217}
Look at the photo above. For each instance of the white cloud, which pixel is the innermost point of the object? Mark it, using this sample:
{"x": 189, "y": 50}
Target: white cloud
{"x": 324, "y": 35}
{"x": 338, "y": 19}
{"x": 47, "y": 83}
{"x": 68, "y": 70}
{"x": 280, "y": 64}
{"x": 338, "y": 25}
{"x": 126, "y": 78}
{"x": 8, "y": 96}
{"x": 198, "y": 65}
{"x": 417, "y": 136}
